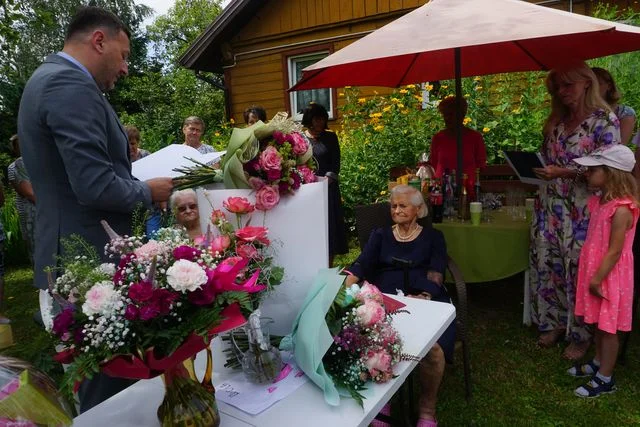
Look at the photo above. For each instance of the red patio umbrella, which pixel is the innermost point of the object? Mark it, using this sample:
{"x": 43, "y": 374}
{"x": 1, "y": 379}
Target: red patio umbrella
{"x": 447, "y": 39}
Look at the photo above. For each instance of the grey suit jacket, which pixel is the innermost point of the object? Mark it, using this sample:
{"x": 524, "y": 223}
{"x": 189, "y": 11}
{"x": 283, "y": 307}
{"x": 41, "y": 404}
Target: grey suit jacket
{"x": 77, "y": 155}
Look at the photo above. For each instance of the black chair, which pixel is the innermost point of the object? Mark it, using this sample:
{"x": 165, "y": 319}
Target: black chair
{"x": 370, "y": 217}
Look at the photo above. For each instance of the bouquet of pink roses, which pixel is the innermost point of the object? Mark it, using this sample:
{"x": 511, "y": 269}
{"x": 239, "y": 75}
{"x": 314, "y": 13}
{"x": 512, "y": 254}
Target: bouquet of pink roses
{"x": 365, "y": 346}
{"x": 343, "y": 344}
{"x": 274, "y": 159}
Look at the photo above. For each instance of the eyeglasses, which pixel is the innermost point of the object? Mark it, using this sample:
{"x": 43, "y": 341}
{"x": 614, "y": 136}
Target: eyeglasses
{"x": 192, "y": 207}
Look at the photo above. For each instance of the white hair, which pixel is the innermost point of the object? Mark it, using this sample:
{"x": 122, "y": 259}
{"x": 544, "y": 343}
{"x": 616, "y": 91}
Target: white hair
{"x": 181, "y": 193}
{"x": 415, "y": 197}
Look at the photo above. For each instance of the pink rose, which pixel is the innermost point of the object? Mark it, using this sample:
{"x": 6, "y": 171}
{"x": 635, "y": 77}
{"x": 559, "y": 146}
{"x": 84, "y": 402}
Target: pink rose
{"x": 246, "y": 250}
{"x": 369, "y": 292}
{"x": 220, "y": 243}
{"x": 150, "y": 249}
{"x": 298, "y": 144}
{"x": 270, "y": 159}
{"x": 251, "y": 234}
{"x": 256, "y": 183}
{"x": 378, "y": 363}
{"x": 307, "y": 174}
{"x": 217, "y": 215}
{"x": 238, "y": 205}
{"x": 267, "y": 198}
{"x": 370, "y": 313}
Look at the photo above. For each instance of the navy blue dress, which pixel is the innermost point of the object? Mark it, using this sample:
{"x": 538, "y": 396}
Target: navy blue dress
{"x": 326, "y": 151}
{"x": 427, "y": 252}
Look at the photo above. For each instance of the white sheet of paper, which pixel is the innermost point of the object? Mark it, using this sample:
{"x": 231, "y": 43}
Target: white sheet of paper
{"x": 299, "y": 232}
{"x": 163, "y": 162}
{"x": 255, "y": 398}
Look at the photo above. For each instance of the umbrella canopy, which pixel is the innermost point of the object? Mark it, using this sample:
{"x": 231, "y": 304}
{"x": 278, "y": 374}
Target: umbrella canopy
{"x": 447, "y": 39}
{"x": 490, "y": 36}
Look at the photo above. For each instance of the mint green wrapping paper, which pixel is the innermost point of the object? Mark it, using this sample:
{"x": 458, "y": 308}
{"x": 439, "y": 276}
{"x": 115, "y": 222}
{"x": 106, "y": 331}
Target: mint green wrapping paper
{"x": 310, "y": 338}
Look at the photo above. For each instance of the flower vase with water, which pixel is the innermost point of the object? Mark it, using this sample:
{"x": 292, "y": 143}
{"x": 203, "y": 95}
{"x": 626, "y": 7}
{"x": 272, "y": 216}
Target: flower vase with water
{"x": 261, "y": 362}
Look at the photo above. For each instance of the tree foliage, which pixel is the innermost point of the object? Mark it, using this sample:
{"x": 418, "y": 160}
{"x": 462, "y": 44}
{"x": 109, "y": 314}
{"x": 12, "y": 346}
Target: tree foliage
{"x": 165, "y": 94}
{"x": 35, "y": 29}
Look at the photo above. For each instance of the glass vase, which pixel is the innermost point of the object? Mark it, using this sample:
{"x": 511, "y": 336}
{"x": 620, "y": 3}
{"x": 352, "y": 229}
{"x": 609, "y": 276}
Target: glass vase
{"x": 186, "y": 402}
{"x": 261, "y": 362}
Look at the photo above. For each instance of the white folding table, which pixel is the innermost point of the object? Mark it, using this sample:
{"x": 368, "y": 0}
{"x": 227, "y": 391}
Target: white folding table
{"x": 136, "y": 406}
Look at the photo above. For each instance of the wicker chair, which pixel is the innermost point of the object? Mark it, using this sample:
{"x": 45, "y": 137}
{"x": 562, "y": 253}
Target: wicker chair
{"x": 370, "y": 217}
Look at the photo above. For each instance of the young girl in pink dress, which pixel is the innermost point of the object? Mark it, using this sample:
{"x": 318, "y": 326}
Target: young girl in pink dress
{"x": 605, "y": 269}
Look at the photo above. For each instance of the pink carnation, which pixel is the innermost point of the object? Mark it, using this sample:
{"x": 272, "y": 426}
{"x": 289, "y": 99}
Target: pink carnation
{"x": 101, "y": 299}
{"x": 150, "y": 249}
{"x": 298, "y": 144}
{"x": 270, "y": 159}
{"x": 307, "y": 174}
{"x": 238, "y": 205}
{"x": 370, "y": 313}
{"x": 267, "y": 198}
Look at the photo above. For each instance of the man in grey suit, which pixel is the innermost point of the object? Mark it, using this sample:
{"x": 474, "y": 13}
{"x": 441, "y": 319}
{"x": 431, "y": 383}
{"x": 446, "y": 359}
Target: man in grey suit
{"x": 77, "y": 152}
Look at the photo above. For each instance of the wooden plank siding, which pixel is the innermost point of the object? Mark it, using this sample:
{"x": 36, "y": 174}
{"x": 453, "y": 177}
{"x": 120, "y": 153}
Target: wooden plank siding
{"x": 259, "y": 75}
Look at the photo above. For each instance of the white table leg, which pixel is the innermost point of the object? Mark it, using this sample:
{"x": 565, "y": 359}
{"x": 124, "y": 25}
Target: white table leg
{"x": 526, "y": 303}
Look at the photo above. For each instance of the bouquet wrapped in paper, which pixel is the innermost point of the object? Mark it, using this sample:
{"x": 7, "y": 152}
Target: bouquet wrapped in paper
{"x": 272, "y": 158}
{"x": 343, "y": 338}
{"x": 160, "y": 300}
{"x": 28, "y": 397}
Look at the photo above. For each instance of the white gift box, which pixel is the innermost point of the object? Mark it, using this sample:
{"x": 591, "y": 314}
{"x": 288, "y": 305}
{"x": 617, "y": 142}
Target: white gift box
{"x": 299, "y": 232}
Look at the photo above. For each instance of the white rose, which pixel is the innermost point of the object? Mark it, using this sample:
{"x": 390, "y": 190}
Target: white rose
{"x": 186, "y": 275}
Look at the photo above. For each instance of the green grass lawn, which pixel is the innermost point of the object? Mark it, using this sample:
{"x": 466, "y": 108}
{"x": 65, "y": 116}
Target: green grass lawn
{"x": 514, "y": 382}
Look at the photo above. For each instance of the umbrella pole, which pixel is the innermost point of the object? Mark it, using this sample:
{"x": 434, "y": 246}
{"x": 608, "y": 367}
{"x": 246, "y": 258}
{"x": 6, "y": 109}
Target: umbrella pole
{"x": 459, "y": 117}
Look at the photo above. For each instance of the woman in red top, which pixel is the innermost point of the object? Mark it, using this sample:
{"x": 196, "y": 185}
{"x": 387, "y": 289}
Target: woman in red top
{"x": 444, "y": 148}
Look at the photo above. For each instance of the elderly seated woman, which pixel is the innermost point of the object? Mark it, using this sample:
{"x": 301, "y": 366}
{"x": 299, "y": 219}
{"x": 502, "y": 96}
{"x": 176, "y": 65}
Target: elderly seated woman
{"x": 390, "y": 252}
{"x": 184, "y": 205}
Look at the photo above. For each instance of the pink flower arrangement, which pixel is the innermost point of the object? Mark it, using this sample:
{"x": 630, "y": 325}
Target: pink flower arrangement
{"x": 143, "y": 301}
{"x": 365, "y": 344}
{"x": 283, "y": 163}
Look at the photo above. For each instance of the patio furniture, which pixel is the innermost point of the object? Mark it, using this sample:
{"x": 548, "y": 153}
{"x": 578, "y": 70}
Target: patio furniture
{"x": 370, "y": 217}
{"x": 491, "y": 251}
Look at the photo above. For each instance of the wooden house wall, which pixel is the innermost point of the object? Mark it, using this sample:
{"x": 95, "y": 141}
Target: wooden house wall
{"x": 291, "y": 27}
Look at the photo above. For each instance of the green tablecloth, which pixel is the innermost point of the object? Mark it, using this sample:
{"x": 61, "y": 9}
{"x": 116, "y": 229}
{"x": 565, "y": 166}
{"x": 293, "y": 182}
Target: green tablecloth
{"x": 489, "y": 251}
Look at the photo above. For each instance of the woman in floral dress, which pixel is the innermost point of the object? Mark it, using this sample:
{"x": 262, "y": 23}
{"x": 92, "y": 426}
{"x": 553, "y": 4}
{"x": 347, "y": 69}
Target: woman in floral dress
{"x": 580, "y": 121}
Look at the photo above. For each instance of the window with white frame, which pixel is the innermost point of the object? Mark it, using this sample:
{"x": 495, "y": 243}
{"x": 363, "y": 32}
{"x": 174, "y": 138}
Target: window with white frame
{"x": 301, "y": 99}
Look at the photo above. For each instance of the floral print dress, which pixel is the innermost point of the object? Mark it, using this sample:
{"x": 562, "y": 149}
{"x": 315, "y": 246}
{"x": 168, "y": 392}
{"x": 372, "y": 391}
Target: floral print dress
{"x": 560, "y": 224}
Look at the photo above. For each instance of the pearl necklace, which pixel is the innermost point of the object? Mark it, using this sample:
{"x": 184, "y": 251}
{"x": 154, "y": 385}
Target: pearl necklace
{"x": 408, "y": 237}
